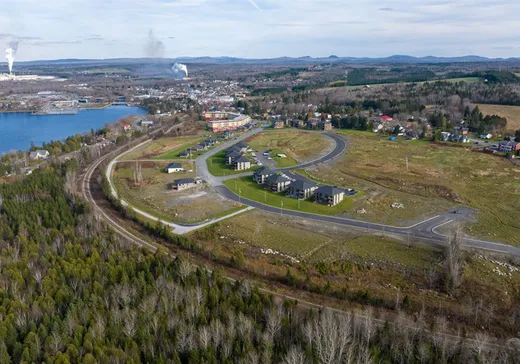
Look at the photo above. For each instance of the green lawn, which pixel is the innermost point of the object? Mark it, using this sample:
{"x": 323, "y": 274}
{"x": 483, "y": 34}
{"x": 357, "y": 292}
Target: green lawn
{"x": 282, "y": 162}
{"x": 253, "y": 191}
{"x": 217, "y": 165}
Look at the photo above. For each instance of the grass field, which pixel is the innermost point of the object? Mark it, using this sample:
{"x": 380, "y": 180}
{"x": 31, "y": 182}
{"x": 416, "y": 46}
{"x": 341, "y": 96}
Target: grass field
{"x": 217, "y": 165}
{"x": 511, "y": 113}
{"x": 162, "y": 147}
{"x": 438, "y": 178}
{"x": 299, "y": 146}
{"x": 253, "y": 191}
{"x": 465, "y": 79}
{"x": 174, "y": 153}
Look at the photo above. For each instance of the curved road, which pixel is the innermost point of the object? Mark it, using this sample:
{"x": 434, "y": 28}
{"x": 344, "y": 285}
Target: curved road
{"x": 425, "y": 230}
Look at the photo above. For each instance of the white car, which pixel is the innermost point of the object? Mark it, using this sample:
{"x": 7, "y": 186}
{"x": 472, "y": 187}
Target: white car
{"x": 269, "y": 158}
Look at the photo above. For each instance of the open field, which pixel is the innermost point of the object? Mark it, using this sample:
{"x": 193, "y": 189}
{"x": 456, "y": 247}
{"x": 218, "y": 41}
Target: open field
{"x": 217, "y": 165}
{"x": 299, "y": 146}
{"x": 153, "y": 196}
{"x": 162, "y": 148}
{"x": 438, "y": 178}
{"x": 253, "y": 191}
{"x": 511, "y": 113}
{"x": 348, "y": 263}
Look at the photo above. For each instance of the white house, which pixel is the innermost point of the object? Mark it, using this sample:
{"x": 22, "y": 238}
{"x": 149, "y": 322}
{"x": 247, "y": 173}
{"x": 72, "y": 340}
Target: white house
{"x": 174, "y": 167}
{"x": 39, "y": 154}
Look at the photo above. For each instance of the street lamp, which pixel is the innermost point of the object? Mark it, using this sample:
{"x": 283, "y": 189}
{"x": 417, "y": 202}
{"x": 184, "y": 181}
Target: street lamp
{"x": 281, "y": 208}
{"x": 239, "y": 194}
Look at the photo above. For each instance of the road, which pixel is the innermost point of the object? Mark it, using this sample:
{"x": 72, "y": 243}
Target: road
{"x": 130, "y": 237}
{"x": 425, "y": 231}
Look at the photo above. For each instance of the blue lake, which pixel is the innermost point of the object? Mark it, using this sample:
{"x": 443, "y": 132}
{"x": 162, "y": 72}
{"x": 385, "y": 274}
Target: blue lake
{"x": 18, "y": 130}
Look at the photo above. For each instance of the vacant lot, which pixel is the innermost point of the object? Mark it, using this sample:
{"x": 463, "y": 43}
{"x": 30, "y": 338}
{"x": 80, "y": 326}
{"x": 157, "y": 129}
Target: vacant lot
{"x": 511, "y": 113}
{"x": 163, "y": 148}
{"x": 154, "y": 196}
{"x": 437, "y": 178}
{"x": 299, "y": 146}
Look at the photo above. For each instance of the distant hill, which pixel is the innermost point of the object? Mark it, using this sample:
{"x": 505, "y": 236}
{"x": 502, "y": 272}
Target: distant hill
{"x": 395, "y": 59}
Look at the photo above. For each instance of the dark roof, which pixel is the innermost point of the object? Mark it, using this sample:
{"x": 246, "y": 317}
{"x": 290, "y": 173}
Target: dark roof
{"x": 183, "y": 181}
{"x": 264, "y": 171}
{"x": 198, "y": 147}
{"x": 277, "y": 178}
{"x": 174, "y": 165}
{"x": 233, "y": 154}
{"x": 329, "y": 190}
{"x": 300, "y": 184}
{"x": 185, "y": 152}
{"x": 242, "y": 145}
{"x": 242, "y": 160}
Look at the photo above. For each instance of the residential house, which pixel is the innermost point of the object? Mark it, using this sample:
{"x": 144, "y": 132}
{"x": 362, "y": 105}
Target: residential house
{"x": 231, "y": 156}
{"x": 508, "y": 146}
{"x": 385, "y": 118}
{"x": 126, "y": 127}
{"x": 377, "y": 127}
{"x": 312, "y": 124}
{"x": 185, "y": 154}
{"x": 278, "y": 124}
{"x": 184, "y": 183}
{"x": 173, "y": 168}
{"x": 242, "y": 147}
{"x": 301, "y": 189}
{"x": 277, "y": 183}
{"x": 325, "y": 125}
{"x": 211, "y": 141}
{"x": 486, "y": 136}
{"x": 197, "y": 148}
{"x": 241, "y": 163}
{"x": 329, "y": 195}
{"x": 445, "y": 136}
{"x": 146, "y": 123}
{"x": 260, "y": 176}
{"x": 295, "y": 123}
{"x": 39, "y": 154}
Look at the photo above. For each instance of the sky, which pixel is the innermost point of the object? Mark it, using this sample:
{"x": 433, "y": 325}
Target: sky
{"x": 56, "y": 29}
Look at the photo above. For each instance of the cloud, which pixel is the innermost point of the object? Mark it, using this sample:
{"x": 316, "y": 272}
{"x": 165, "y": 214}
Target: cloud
{"x": 106, "y": 28}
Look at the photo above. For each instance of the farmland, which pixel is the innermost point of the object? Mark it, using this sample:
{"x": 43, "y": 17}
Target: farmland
{"x": 299, "y": 146}
{"x": 436, "y": 179}
{"x": 511, "y": 113}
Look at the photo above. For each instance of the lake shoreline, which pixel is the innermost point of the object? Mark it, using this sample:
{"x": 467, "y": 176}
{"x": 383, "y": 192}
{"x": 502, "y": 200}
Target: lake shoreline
{"x": 19, "y": 129}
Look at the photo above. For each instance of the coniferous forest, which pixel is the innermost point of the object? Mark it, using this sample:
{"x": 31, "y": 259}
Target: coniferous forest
{"x": 72, "y": 291}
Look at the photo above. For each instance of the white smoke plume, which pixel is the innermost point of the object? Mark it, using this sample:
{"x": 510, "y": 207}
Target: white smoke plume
{"x": 10, "y": 54}
{"x": 154, "y": 47}
{"x": 180, "y": 70}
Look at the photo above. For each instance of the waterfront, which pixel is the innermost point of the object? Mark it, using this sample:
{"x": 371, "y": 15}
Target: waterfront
{"x": 18, "y": 130}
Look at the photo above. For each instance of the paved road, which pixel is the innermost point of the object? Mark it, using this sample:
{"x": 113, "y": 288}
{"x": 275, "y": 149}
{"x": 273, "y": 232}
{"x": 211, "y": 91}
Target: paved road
{"x": 425, "y": 230}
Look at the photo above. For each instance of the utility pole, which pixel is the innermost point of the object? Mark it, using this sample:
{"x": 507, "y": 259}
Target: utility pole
{"x": 239, "y": 194}
{"x": 406, "y": 163}
{"x": 265, "y": 196}
{"x": 281, "y": 208}
{"x": 299, "y": 204}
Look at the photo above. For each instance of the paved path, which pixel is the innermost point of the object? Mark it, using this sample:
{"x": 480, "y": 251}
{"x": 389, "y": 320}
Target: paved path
{"x": 425, "y": 230}
{"x": 178, "y": 228}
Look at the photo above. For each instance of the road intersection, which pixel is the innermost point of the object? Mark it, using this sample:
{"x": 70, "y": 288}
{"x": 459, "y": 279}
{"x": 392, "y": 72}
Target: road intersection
{"x": 424, "y": 231}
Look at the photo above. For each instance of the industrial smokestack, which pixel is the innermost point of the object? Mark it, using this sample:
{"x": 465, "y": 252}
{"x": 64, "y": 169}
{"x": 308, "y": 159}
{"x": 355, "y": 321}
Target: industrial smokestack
{"x": 10, "y": 54}
{"x": 180, "y": 71}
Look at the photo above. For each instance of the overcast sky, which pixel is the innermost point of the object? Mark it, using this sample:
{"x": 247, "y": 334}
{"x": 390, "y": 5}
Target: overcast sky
{"x": 52, "y": 29}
